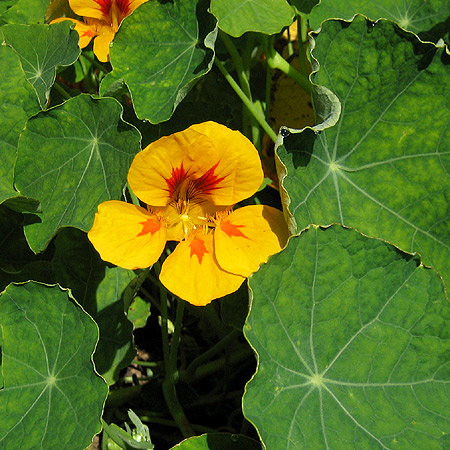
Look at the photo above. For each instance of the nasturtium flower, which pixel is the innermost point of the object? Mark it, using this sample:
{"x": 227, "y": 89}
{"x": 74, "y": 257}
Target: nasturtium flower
{"x": 190, "y": 182}
{"x": 101, "y": 21}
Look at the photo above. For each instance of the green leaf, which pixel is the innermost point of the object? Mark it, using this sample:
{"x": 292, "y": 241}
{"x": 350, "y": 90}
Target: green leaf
{"x": 91, "y": 150}
{"x": 138, "y": 312}
{"x": 218, "y": 441}
{"x": 26, "y": 12}
{"x": 384, "y": 168}
{"x": 43, "y": 48}
{"x": 167, "y": 58}
{"x": 46, "y": 363}
{"x": 239, "y": 16}
{"x": 304, "y": 6}
{"x": 98, "y": 288}
{"x": 18, "y": 102}
{"x": 353, "y": 339}
{"x": 412, "y": 15}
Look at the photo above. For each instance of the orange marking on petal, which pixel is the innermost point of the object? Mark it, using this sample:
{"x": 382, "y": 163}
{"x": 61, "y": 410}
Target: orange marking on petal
{"x": 232, "y": 230}
{"x": 149, "y": 226}
{"x": 208, "y": 181}
{"x": 179, "y": 174}
{"x": 89, "y": 33}
{"x": 198, "y": 249}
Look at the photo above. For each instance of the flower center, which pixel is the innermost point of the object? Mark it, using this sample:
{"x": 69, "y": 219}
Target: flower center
{"x": 183, "y": 217}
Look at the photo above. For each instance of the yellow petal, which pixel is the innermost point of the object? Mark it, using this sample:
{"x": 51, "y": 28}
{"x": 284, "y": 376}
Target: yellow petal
{"x": 191, "y": 272}
{"x": 102, "y": 45}
{"x": 97, "y": 9}
{"x": 248, "y": 236}
{"x": 127, "y": 235}
{"x": 207, "y": 161}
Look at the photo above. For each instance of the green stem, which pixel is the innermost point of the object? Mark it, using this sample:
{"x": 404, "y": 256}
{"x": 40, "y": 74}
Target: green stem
{"x": 95, "y": 63}
{"x": 172, "y": 364}
{"x": 62, "y": 91}
{"x": 276, "y": 61}
{"x": 257, "y": 114}
{"x": 243, "y": 74}
{"x": 189, "y": 374}
{"x": 237, "y": 357}
{"x": 302, "y": 31}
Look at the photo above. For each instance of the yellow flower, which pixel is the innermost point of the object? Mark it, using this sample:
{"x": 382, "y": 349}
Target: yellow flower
{"x": 190, "y": 181}
{"x": 102, "y": 19}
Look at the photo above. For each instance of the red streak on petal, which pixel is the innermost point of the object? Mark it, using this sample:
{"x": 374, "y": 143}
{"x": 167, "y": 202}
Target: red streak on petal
{"x": 149, "y": 226}
{"x": 105, "y": 6}
{"x": 208, "y": 181}
{"x": 232, "y": 230}
{"x": 124, "y": 7}
{"x": 198, "y": 249}
{"x": 178, "y": 176}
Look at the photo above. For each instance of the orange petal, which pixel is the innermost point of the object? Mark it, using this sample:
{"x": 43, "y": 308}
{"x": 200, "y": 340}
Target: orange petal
{"x": 248, "y": 236}
{"x": 191, "y": 272}
{"x": 97, "y": 9}
{"x": 207, "y": 160}
{"x": 127, "y": 235}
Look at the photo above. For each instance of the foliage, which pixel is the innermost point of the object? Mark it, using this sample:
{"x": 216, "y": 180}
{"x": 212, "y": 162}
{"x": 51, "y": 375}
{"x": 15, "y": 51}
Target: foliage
{"x": 339, "y": 341}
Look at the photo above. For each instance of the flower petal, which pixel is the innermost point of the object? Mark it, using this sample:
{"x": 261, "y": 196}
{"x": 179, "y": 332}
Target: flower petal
{"x": 191, "y": 272}
{"x": 248, "y": 236}
{"x": 96, "y": 9}
{"x": 207, "y": 160}
{"x": 102, "y": 44}
{"x": 127, "y": 235}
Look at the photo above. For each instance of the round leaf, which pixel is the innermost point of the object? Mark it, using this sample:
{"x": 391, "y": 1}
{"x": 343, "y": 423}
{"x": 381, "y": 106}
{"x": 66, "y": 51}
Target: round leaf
{"x": 218, "y": 441}
{"x": 72, "y": 158}
{"x": 52, "y": 397}
{"x": 353, "y": 339}
{"x": 41, "y": 49}
{"x": 384, "y": 168}
{"x": 412, "y": 15}
{"x": 160, "y": 63}
{"x": 239, "y": 16}
{"x": 18, "y": 102}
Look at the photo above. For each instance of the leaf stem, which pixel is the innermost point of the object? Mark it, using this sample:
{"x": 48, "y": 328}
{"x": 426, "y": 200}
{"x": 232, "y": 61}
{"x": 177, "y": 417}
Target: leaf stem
{"x": 276, "y": 61}
{"x": 62, "y": 91}
{"x": 189, "y": 374}
{"x": 257, "y": 114}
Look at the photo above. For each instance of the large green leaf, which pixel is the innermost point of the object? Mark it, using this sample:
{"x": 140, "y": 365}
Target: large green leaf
{"x": 412, "y": 15}
{"x": 17, "y": 103}
{"x": 98, "y": 288}
{"x": 384, "y": 168}
{"x": 52, "y": 398}
{"x": 239, "y": 16}
{"x": 43, "y": 48}
{"x": 26, "y": 11}
{"x": 161, "y": 62}
{"x": 353, "y": 340}
{"x": 72, "y": 158}
{"x": 218, "y": 441}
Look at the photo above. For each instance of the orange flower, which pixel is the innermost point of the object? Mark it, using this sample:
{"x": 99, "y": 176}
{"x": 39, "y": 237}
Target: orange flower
{"x": 190, "y": 181}
{"x": 102, "y": 19}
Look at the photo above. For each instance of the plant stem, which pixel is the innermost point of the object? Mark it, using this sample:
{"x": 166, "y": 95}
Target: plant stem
{"x": 276, "y": 61}
{"x": 170, "y": 364}
{"x": 189, "y": 374}
{"x": 62, "y": 91}
{"x": 302, "y": 31}
{"x": 95, "y": 63}
{"x": 257, "y": 114}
